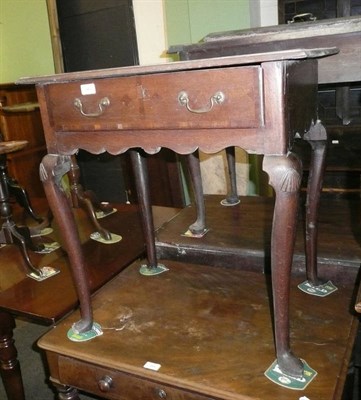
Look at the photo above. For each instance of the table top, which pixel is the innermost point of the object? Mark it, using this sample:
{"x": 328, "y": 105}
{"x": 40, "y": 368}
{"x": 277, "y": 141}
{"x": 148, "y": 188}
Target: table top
{"x": 247, "y": 59}
{"x": 209, "y": 332}
{"x": 253, "y": 245}
{"x": 49, "y": 300}
{"x": 155, "y": 106}
{"x": 343, "y": 33}
{"x": 326, "y": 27}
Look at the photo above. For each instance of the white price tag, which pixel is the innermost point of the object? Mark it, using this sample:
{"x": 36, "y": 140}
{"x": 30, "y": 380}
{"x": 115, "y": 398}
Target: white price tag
{"x": 88, "y": 88}
{"x": 151, "y": 365}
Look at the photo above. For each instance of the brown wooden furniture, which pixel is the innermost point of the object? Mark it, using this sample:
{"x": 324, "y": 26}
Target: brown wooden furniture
{"x": 345, "y": 33}
{"x": 10, "y": 232}
{"x": 20, "y": 120}
{"x": 208, "y": 328}
{"x": 339, "y": 105}
{"x": 339, "y": 78}
{"x": 48, "y": 301}
{"x": 256, "y": 101}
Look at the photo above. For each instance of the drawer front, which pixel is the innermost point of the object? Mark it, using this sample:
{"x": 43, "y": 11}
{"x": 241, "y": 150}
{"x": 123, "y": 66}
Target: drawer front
{"x": 110, "y": 384}
{"x": 218, "y": 98}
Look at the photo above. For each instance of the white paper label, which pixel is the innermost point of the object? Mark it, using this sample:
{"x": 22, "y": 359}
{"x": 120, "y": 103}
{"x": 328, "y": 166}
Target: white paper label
{"x": 151, "y": 365}
{"x": 88, "y": 88}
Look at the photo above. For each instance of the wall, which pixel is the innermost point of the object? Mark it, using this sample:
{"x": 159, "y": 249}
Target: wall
{"x": 188, "y": 21}
{"x": 25, "y": 46}
{"x": 263, "y": 12}
{"x": 150, "y": 26}
{"x": 25, "y": 43}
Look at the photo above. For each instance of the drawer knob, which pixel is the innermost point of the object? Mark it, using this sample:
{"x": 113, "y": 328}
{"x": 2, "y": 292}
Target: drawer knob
{"x": 217, "y": 98}
{"x": 162, "y": 394}
{"x": 105, "y": 383}
{"x": 104, "y": 102}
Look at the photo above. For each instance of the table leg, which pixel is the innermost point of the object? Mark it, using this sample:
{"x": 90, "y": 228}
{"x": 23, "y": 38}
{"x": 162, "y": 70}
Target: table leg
{"x": 52, "y": 169}
{"x": 9, "y": 364}
{"x": 317, "y": 137}
{"x": 232, "y": 196}
{"x": 285, "y": 177}
{"x": 199, "y": 226}
{"x": 22, "y": 198}
{"x": 81, "y": 198}
{"x": 65, "y": 392}
{"x": 139, "y": 164}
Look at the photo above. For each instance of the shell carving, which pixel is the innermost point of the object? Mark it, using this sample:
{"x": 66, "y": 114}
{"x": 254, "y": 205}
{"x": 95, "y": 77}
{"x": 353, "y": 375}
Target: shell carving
{"x": 291, "y": 181}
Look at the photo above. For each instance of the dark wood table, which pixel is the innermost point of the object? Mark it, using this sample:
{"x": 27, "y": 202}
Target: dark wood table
{"x": 209, "y": 330}
{"x": 342, "y": 70}
{"x": 343, "y": 33}
{"x": 256, "y": 101}
{"x": 48, "y": 301}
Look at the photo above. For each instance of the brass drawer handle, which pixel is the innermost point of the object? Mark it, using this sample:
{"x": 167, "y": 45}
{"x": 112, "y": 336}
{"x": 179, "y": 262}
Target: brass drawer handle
{"x": 217, "y": 98}
{"x": 302, "y": 18}
{"x": 104, "y": 102}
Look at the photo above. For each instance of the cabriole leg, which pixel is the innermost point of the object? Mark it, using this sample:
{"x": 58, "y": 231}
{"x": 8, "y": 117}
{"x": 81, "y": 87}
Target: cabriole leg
{"x": 199, "y": 226}
{"x": 52, "y": 169}
{"x": 232, "y": 197}
{"x": 140, "y": 168}
{"x": 317, "y": 137}
{"x": 285, "y": 177}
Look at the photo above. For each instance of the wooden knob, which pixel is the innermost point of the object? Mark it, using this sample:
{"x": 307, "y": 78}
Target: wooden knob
{"x": 358, "y": 307}
{"x": 105, "y": 383}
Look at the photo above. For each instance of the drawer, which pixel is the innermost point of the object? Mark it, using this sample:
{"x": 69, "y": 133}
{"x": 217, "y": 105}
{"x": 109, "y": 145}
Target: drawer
{"x": 111, "y": 384}
{"x": 217, "y": 98}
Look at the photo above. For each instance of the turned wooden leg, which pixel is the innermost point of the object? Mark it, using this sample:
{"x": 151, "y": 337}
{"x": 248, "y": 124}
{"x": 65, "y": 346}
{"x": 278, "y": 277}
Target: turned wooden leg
{"x": 139, "y": 164}
{"x": 52, "y": 169}
{"x": 285, "y": 177}
{"x": 65, "y": 392}
{"x": 317, "y": 137}
{"x": 232, "y": 196}
{"x": 194, "y": 168}
{"x": 9, "y": 364}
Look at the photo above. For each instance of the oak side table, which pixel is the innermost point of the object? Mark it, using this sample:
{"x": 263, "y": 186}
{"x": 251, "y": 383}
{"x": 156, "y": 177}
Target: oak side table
{"x": 256, "y": 101}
